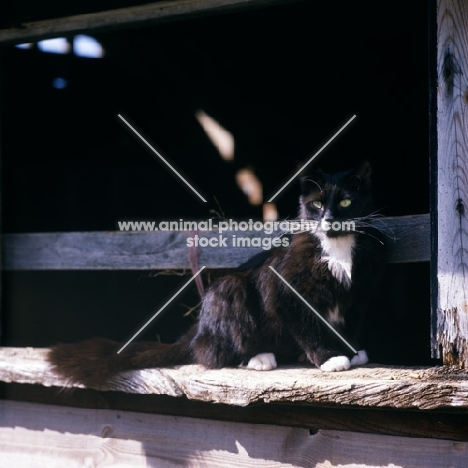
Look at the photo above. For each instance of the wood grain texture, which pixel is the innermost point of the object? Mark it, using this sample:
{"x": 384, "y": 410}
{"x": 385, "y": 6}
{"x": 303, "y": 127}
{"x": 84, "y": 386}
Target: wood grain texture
{"x": 435, "y": 424}
{"x": 51, "y": 436}
{"x": 372, "y": 386}
{"x": 136, "y": 16}
{"x": 160, "y": 250}
{"x": 452, "y": 185}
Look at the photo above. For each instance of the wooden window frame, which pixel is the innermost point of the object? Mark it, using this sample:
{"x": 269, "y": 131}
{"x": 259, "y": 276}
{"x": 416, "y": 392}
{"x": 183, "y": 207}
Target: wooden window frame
{"x": 448, "y": 235}
{"x": 439, "y": 237}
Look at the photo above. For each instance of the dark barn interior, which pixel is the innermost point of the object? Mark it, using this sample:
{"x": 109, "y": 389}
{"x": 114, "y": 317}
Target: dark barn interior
{"x": 282, "y": 80}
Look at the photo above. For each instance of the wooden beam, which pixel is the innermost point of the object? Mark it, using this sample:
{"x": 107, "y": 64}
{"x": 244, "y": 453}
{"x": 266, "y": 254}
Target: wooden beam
{"x": 448, "y": 425}
{"x": 372, "y": 386}
{"x": 168, "y": 250}
{"x": 409, "y": 238}
{"x": 47, "y": 435}
{"x": 131, "y": 17}
{"x": 451, "y": 246}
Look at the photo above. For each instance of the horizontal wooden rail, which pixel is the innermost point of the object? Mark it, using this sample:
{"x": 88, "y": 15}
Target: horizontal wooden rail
{"x": 160, "y": 250}
{"x": 134, "y": 16}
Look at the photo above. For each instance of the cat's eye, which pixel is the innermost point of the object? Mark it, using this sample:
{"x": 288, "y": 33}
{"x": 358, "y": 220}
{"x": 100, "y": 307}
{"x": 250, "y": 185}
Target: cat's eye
{"x": 317, "y": 204}
{"x": 345, "y": 202}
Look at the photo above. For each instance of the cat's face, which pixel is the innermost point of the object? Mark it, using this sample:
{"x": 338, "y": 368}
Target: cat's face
{"x": 333, "y": 200}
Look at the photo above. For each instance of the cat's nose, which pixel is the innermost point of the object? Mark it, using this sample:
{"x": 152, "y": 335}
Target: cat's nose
{"x": 328, "y": 216}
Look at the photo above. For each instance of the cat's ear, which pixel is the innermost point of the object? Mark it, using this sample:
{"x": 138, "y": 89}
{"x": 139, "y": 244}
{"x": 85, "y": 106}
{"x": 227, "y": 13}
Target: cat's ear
{"x": 361, "y": 177}
{"x": 311, "y": 183}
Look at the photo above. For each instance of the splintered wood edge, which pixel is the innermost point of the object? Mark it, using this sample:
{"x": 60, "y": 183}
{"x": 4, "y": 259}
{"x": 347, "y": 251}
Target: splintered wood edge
{"x": 371, "y": 386}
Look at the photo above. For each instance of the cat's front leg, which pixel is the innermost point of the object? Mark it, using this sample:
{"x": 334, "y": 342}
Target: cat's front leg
{"x": 322, "y": 353}
{"x": 322, "y": 350}
{"x": 341, "y": 363}
{"x": 319, "y": 349}
{"x": 328, "y": 359}
{"x": 360, "y": 358}
{"x": 263, "y": 361}
{"x": 336, "y": 364}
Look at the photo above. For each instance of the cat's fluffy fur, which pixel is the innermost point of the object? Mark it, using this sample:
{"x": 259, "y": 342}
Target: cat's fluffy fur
{"x": 250, "y": 317}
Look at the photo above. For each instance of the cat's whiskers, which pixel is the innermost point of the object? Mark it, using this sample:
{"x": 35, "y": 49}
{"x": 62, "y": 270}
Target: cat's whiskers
{"x": 375, "y": 213}
{"x": 370, "y": 221}
{"x": 370, "y": 235}
{"x": 386, "y": 231}
{"x": 308, "y": 179}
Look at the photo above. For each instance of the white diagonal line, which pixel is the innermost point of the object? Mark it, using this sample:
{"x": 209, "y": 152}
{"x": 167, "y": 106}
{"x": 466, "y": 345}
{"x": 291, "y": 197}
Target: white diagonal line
{"x": 162, "y": 159}
{"x": 312, "y": 158}
{"x": 161, "y": 309}
{"x": 316, "y": 313}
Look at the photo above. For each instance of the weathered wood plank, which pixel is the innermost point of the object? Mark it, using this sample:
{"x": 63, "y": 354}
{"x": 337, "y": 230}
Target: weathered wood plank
{"x": 372, "y": 386}
{"x": 51, "y": 436}
{"x": 409, "y": 242}
{"x": 448, "y": 425}
{"x": 135, "y": 16}
{"x": 451, "y": 325}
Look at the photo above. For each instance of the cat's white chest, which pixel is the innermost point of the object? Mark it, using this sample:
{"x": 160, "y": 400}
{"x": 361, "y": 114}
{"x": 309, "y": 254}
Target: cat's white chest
{"x": 338, "y": 254}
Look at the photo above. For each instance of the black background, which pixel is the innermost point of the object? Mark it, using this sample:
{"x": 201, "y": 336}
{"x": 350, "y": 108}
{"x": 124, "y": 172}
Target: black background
{"x": 281, "y": 79}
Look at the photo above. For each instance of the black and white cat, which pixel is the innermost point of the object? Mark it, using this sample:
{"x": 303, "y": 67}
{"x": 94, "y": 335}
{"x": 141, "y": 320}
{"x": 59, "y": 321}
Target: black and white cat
{"x": 251, "y": 318}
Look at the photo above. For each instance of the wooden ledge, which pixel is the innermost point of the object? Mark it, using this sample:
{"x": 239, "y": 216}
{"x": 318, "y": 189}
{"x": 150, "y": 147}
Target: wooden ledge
{"x": 372, "y": 386}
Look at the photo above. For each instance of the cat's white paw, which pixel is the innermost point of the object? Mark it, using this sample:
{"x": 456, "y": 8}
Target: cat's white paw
{"x": 336, "y": 364}
{"x": 360, "y": 358}
{"x": 263, "y": 361}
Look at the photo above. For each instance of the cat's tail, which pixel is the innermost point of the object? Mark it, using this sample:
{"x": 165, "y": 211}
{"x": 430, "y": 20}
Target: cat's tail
{"x": 94, "y": 362}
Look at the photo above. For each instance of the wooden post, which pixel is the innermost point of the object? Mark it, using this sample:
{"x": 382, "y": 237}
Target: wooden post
{"x": 450, "y": 248}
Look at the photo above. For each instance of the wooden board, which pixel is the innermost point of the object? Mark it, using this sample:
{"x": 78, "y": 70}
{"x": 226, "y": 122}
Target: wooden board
{"x": 51, "y": 436}
{"x": 168, "y": 250}
{"x": 371, "y": 386}
{"x": 136, "y": 16}
{"x": 451, "y": 322}
{"x": 434, "y": 424}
